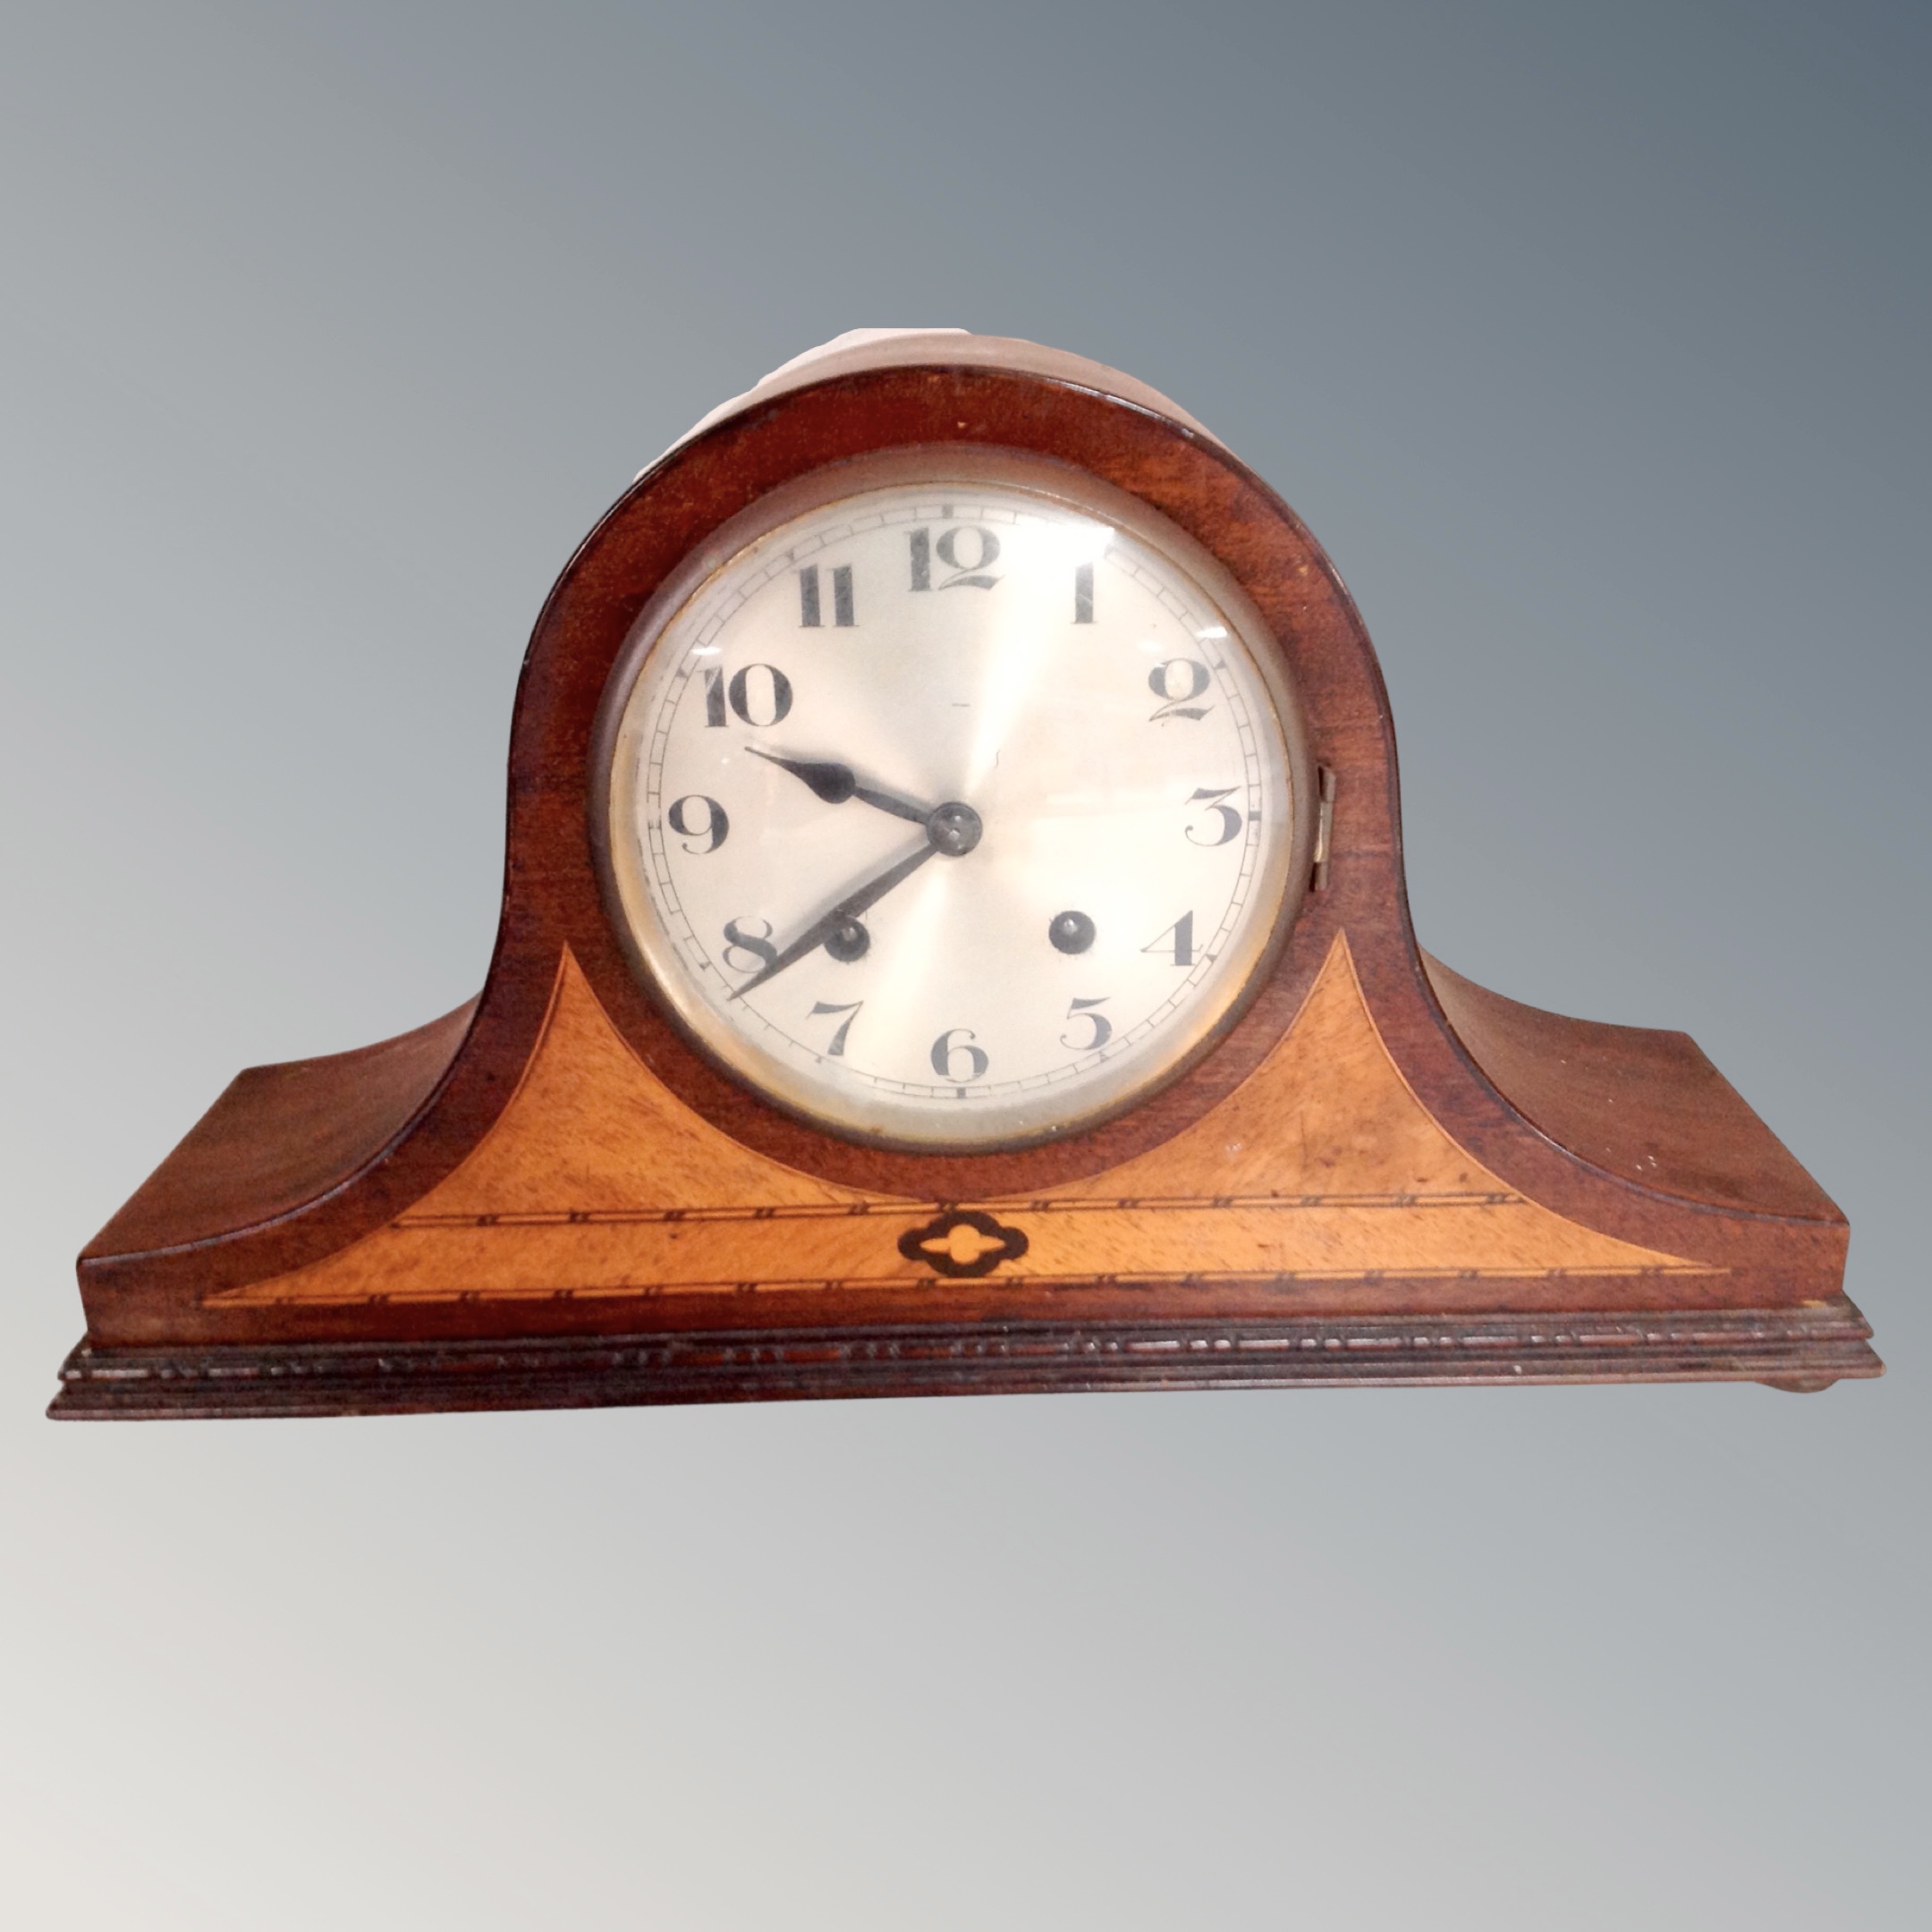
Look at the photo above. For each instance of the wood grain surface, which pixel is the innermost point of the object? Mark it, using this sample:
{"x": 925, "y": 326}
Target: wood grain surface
{"x": 1375, "y": 1138}
{"x": 1323, "y": 1169}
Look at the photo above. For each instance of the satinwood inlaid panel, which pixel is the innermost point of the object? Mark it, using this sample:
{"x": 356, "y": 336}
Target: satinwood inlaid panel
{"x": 1322, "y": 1173}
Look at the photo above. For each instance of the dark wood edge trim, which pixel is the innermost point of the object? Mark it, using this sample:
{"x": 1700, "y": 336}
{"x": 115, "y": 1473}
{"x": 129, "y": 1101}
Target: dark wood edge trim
{"x": 1804, "y": 1348}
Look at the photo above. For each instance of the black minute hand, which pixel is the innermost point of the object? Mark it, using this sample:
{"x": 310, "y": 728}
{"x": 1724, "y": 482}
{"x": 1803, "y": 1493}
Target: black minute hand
{"x": 848, "y": 908}
{"x": 835, "y": 783}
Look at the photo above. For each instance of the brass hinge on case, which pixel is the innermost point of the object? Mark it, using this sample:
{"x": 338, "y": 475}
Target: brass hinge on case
{"x": 1324, "y": 823}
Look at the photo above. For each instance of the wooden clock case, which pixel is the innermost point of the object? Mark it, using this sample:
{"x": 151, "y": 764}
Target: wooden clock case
{"x": 1381, "y": 1173}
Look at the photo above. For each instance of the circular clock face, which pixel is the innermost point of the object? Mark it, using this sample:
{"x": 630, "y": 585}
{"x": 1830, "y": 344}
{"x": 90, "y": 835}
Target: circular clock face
{"x": 954, "y": 813}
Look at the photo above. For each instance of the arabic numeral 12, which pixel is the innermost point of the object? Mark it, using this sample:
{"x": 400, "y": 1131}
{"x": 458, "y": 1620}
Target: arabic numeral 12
{"x": 962, "y": 571}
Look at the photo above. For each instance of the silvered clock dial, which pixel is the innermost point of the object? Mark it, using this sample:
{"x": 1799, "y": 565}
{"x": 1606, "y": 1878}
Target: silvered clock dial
{"x": 954, "y": 811}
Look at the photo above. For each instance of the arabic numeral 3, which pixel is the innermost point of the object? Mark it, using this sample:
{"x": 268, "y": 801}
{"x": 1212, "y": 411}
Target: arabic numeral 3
{"x": 1228, "y": 817}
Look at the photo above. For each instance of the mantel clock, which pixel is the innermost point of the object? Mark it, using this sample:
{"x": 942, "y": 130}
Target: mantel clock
{"x": 953, "y": 939}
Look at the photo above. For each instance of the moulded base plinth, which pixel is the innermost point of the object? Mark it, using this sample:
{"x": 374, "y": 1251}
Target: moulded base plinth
{"x": 1801, "y": 1348}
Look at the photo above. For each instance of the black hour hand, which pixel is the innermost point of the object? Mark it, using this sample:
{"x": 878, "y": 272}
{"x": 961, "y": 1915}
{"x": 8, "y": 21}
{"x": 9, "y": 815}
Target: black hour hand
{"x": 835, "y": 783}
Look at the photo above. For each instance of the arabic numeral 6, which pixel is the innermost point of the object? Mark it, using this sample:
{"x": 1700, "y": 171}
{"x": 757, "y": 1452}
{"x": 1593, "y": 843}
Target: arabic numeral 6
{"x": 956, "y": 1058}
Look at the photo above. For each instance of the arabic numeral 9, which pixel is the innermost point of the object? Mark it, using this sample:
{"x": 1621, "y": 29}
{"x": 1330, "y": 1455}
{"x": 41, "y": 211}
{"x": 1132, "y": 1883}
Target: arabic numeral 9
{"x": 697, "y": 816}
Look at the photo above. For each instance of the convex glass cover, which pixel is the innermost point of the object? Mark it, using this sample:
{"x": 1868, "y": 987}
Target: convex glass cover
{"x": 954, "y": 812}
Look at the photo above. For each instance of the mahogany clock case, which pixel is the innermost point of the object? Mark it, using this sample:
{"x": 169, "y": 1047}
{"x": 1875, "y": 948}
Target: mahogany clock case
{"x": 1377, "y": 1173}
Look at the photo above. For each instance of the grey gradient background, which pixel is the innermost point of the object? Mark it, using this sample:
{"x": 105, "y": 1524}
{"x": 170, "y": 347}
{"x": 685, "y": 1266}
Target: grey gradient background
{"x": 1592, "y": 342}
